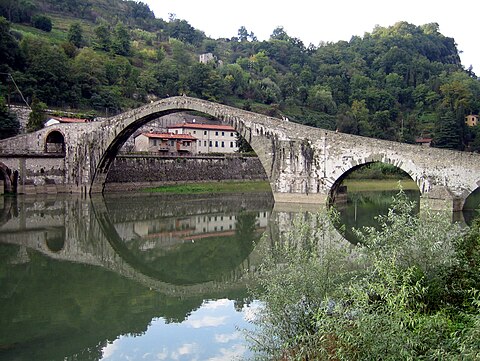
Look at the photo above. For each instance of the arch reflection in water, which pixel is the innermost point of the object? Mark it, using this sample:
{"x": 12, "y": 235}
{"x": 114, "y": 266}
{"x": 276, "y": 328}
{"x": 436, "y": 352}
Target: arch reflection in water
{"x": 187, "y": 240}
{"x": 73, "y": 297}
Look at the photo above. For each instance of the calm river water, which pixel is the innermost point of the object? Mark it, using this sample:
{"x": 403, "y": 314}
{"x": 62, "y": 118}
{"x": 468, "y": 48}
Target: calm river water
{"x": 137, "y": 277}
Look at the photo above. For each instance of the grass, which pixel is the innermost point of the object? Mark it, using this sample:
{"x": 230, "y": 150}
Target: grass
{"x": 212, "y": 187}
{"x": 362, "y": 185}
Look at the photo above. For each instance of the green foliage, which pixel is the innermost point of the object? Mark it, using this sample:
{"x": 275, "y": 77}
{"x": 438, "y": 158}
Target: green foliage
{"x": 410, "y": 292}
{"x": 11, "y": 56}
{"x": 203, "y": 188}
{"x": 103, "y": 39}
{"x": 392, "y": 83}
{"x": 75, "y": 34}
{"x": 378, "y": 170}
{"x": 37, "y": 117}
{"x": 42, "y": 22}
{"x": 9, "y": 125}
{"x": 121, "y": 40}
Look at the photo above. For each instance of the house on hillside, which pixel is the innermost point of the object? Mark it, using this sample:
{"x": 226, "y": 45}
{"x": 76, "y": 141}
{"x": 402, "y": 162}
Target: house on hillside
{"x": 166, "y": 144}
{"x": 424, "y": 142}
{"x": 471, "y": 120}
{"x": 63, "y": 120}
{"x": 211, "y": 138}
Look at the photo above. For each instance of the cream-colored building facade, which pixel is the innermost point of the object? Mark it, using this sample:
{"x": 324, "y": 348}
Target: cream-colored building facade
{"x": 211, "y": 138}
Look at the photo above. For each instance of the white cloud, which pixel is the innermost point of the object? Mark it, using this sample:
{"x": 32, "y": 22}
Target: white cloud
{"x": 162, "y": 355}
{"x": 225, "y": 337}
{"x": 185, "y": 349}
{"x": 109, "y": 350}
{"x": 206, "y": 321}
{"x": 213, "y": 305}
{"x": 233, "y": 353}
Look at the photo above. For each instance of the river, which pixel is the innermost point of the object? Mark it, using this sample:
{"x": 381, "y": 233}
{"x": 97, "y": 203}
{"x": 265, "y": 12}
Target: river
{"x": 139, "y": 276}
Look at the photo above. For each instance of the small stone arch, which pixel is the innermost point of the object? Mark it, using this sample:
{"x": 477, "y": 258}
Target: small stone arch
{"x": 55, "y": 142}
{"x": 336, "y": 184}
{"x": 8, "y": 178}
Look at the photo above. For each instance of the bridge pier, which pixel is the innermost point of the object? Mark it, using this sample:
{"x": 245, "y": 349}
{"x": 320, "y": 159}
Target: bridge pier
{"x": 440, "y": 198}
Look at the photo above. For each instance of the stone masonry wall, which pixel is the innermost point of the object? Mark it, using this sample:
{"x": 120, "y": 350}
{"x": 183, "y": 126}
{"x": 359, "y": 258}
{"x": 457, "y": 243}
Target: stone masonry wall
{"x": 151, "y": 169}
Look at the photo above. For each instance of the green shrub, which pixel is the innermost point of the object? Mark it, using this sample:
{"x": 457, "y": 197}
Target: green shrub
{"x": 407, "y": 292}
{"x": 42, "y": 22}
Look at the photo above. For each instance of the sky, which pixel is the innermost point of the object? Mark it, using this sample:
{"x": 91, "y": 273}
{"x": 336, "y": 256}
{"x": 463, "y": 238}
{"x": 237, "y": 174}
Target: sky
{"x": 329, "y": 21}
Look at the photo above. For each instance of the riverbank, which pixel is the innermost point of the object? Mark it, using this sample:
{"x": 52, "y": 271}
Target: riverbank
{"x": 212, "y": 187}
{"x": 365, "y": 185}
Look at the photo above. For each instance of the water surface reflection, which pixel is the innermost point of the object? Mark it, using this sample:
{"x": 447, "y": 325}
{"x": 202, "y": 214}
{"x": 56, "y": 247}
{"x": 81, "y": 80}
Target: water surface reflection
{"x": 127, "y": 277}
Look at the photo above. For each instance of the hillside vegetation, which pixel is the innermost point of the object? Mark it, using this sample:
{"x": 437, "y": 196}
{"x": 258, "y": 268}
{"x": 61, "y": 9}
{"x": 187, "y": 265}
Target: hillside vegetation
{"x": 398, "y": 82}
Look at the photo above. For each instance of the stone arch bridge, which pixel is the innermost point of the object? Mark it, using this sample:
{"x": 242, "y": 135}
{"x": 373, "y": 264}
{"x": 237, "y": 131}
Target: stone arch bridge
{"x": 303, "y": 164}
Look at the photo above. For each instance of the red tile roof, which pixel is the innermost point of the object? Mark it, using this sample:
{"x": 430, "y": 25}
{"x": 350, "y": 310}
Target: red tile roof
{"x": 169, "y": 136}
{"x": 423, "y": 140}
{"x": 69, "y": 120}
{"x": 203, "y": 126}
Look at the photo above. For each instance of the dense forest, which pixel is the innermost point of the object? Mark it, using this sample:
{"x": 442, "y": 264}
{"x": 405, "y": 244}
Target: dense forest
{"x": 398, "y": 82}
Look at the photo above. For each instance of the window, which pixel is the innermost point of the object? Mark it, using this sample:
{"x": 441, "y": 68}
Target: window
{"x": 231, "y": 144}
{"x": 176, "y": 131}
{"x": 204, "y": 143}
{"x": 223, "y": 134}
{"x": 204, "y": 132}
{"x": 172, "y": 143}
{"x": 194, "y": 132}
{"x": 210, "y": 143}
{"x": 231, "y": 134}
{"x": 223, "y": 144}
{"x": 216, "y": 144}
{"x": 216, "y": 133}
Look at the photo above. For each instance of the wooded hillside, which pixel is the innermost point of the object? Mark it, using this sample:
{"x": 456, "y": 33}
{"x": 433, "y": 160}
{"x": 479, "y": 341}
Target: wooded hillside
{"x": 399, "y": 83}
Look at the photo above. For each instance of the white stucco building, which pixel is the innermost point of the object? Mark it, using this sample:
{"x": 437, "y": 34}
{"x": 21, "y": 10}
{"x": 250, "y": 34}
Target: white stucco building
{"x": 211, "y": 138}
{"x": 166, "y": 143}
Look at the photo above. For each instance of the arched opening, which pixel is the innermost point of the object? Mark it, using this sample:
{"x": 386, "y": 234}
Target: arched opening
{"x": 170, "y": 239}
{"x": 471, "y": 206}
{"x": 55, "y": 240}
{"x": 55, "y": 142}
{"x": 8, "y": 179}
{"x": 367, "y": 191}
{"x": 179, "y": 147}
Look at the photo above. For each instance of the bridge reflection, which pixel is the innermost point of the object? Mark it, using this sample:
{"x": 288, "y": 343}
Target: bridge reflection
{"x": 90, "y": 270}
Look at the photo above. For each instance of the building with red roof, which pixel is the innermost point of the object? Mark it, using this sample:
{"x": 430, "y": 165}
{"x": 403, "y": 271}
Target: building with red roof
{"x": 211, "y": 138}
{"x": 166, "y": 143}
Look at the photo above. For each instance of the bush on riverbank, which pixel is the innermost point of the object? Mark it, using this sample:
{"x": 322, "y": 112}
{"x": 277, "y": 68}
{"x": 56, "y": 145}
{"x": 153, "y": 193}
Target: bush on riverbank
{"x": 378, "y": 170}
{"x": 410, "y": 291}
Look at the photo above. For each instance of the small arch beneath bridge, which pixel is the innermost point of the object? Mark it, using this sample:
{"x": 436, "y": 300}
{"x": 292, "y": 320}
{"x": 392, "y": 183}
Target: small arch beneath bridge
{"x": 55, "y": 142}
{"x": 336, "y": 185}
{"x": 8, "y": 178}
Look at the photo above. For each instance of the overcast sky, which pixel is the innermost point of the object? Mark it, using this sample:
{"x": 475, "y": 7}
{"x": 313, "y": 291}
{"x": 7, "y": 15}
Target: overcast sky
{"x": 315, "y": 21}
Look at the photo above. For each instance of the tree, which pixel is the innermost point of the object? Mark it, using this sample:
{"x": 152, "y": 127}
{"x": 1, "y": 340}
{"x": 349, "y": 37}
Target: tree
{"x": 121, "y": 40}
{"x": 242, "y": 33}
{"x": 37, "y": 116}
{"x": 42, "y": 22}
{"x": 75, "y": 34}
{"x": 48, "y": 71}
{"x": 103, "y": 39}
{"x": 447, "y": 133}
{"x": 9, "y": 124}
{"x": 11, "y": 55}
